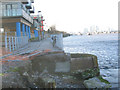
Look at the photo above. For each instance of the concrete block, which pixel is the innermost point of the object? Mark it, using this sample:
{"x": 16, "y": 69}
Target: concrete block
{"x": 52, "y": 62}
{"x": 62, "y": 67}
{"x": 83, "y": 62}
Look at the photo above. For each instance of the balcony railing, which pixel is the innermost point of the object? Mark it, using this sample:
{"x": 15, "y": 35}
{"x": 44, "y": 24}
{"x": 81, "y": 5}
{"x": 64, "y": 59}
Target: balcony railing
{"x": 26, "y": 16}
{"x": 16, "y": 13}
{"x": 11, "y": 12}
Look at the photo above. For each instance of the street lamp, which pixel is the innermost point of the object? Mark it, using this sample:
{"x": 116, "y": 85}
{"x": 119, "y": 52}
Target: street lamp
{"x": 39, "y": 15}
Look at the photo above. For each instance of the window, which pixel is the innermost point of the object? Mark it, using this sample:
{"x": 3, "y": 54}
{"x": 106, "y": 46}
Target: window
{"x": 14, "y": 12}
{"x": 9, "y": 9}
{"x": 3, "y": 11}
{"x": 14, "y": 6}
{"x": 19, "y": 12}
{"x": 3, "y": 6}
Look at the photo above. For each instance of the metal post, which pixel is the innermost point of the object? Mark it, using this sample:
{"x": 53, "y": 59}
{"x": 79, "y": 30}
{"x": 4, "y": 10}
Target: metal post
{"x": 39, "y": 34}
{"x": 24, "y": 40}
{"x": 6, "y": 40}
{"x": 20, "y": 41}
{"x": 10, "y": 44}
{"x": 35, "y": 33}
{"x": 15, "y": 43}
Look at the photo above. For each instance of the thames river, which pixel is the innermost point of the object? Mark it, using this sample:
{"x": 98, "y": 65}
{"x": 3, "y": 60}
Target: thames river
{"x": 104, "y": 46}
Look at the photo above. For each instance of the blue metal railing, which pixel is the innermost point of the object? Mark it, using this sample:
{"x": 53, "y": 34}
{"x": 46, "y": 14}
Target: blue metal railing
{"x": 13, "y": 43}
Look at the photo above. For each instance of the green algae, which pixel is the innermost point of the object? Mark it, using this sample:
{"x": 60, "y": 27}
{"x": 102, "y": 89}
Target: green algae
{"x": 77, "y": 55}
{"x": 103, "y": 80}
{"x": 2, "y": 74}
{"x": 14, "y": 69}
{"x": 86, "y": 74}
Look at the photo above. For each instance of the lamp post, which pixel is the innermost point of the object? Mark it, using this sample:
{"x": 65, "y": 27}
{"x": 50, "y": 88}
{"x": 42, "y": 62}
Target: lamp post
{"x": 39, "y": 15}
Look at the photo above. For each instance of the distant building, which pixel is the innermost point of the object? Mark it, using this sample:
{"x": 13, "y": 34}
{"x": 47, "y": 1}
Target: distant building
{"x": 86, "y": 30}
{"x": 38, "y": 26}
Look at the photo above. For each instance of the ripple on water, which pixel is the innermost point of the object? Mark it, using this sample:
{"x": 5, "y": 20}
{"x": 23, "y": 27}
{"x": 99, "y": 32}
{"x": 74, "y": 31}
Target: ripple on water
{"x": 105, "y": 47}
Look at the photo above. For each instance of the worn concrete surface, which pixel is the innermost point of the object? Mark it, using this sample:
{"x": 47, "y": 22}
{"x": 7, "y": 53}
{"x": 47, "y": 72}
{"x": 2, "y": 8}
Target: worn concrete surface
{"x": 83, "y": 62}
{"x": 62, "y": 66}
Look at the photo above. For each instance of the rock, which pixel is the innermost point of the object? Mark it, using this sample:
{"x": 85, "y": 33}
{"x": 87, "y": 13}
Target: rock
{"x": 49, "y": 83}
{"x": 95, "y": 83}
{"x": 86, "y": 74}
{"x": 25, "y": 74}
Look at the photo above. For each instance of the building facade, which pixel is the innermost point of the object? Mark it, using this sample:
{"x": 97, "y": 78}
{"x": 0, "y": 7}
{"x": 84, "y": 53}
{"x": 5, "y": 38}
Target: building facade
{"x": 17, "y": 19}
{"x": 38, "y": 26}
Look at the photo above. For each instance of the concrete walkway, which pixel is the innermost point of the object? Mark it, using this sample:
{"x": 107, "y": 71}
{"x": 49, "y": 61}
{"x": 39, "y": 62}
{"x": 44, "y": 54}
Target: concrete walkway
{"x": 39, "y": 46}
{"x": 31, "y": 50}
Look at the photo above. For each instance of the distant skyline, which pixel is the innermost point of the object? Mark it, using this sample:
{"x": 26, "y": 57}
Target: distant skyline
{"x": 76, "y": 15}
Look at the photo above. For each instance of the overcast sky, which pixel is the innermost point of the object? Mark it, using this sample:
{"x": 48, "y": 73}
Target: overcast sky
{"x": 75, "y": 15}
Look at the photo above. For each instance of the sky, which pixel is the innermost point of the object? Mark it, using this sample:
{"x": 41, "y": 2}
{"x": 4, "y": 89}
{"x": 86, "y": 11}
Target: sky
{"x": 76, "y": 15}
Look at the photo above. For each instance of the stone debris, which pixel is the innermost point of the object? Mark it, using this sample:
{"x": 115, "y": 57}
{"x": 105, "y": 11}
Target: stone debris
{"x": 95, "y": 83}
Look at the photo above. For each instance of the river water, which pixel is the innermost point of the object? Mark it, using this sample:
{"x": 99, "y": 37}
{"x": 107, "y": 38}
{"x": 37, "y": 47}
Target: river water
{"x": 104, "y": 46}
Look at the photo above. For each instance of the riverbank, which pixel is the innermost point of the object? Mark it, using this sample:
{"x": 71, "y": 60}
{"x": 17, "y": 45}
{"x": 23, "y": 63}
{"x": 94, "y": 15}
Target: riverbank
{"x": 43, "y": 66}
{"x": 17, "y": 69}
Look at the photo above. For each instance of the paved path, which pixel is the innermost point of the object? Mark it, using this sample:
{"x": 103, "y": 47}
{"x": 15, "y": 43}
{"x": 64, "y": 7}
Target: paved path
{"x": 32, "y": 49}
{"x": 39, "y": 46}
